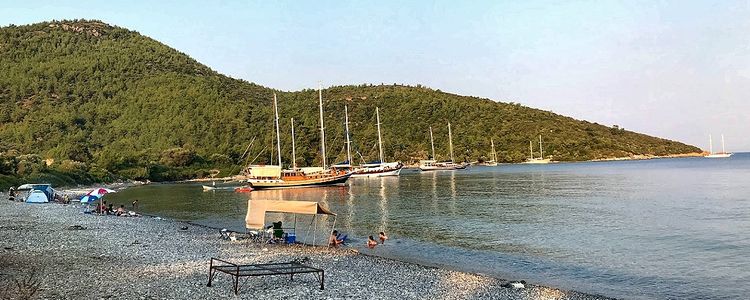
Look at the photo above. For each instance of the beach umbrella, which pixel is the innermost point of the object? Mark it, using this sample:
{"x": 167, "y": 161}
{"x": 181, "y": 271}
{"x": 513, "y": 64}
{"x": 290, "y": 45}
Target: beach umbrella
{"x": 89, "y": 198}
{"x": 95, "y": 194}
{"x": 99, "y": 192}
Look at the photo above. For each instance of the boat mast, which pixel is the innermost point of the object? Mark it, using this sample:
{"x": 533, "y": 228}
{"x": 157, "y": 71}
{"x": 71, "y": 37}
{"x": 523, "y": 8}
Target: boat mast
{"x": 380, "y": 140}
{"x": 450, "y": 140}
{"x": 432, "y": 143}
{"x": 294, "y": 156}
{"x": 322, "y": 128}
{"x": 710, "y": 145}
{"x": 494, "y": 156}
{"x": 722, "y": 144}
{"x": 346, "y": 124}
{"x": 531, "y": 150}
{"x": 541, "y": 152}
{"x": 278, "y": 139}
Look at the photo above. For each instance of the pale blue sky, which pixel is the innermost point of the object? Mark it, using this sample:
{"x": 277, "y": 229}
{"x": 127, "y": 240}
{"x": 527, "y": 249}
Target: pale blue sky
{"x": 674, "y": 69}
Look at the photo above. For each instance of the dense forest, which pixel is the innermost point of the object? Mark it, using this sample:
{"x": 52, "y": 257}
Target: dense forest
{"x": 82, "y": 101}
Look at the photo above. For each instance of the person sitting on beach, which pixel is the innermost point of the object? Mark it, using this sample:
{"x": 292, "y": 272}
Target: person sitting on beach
{"x": 382, "y": 237}
{"x": 334, "y": 240}
{"x": 111, "y": 209}
{"x": 371, "y": 243}
{"x": 121, "y": 212}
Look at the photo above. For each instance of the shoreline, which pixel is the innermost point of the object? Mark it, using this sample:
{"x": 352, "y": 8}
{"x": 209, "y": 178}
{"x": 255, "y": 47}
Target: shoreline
{"x": 151, "y": 257}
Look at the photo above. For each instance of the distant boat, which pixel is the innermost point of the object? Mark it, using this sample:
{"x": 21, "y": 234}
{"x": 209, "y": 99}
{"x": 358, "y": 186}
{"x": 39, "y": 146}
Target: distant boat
{"x": 433, "y": 165}
{"x": 722, "y": 154}
{"x": 208, "y": 188}
{"x": 273, "y": 177}
{"x": 540, "y": 159}
{"x": 377, "y": 168}
{"x": 493, "y": 162}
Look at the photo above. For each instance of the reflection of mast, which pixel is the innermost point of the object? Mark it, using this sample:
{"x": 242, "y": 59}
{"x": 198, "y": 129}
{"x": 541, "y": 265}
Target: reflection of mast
{"x": 383, "y": 207}
{"x": 453, "y": 191}
{"x": 349, "y": 210}
{"x": 434, "y": 190}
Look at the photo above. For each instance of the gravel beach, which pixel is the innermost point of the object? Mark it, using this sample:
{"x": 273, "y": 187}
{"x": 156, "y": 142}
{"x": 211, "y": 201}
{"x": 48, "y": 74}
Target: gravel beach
{"x": 60, "y": 253}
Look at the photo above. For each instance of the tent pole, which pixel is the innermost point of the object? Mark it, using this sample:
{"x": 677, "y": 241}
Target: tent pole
{"x": 315, "y": 228}
{"x": 308, "y": 232}
{"x": 295, "y": 225}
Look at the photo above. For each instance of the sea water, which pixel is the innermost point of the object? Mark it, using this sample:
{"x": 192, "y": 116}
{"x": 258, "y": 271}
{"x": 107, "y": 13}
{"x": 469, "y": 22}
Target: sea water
{"x": 661, "y": 228}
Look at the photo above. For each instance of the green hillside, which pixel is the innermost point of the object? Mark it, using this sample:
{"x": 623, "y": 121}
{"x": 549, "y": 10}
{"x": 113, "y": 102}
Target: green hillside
{"x": 99, "y": 102}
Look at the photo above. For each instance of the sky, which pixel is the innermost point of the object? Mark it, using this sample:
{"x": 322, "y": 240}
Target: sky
{"x": 673, "y": 69}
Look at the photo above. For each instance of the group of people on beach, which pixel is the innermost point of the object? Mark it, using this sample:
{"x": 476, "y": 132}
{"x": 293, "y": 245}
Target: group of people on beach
{"x": 337, "y": 239}
{"x": 108, "y": 209}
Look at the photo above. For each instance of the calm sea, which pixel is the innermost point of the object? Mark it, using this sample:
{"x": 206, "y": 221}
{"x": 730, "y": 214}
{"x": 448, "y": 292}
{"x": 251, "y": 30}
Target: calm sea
{"x": 662, "y": 228}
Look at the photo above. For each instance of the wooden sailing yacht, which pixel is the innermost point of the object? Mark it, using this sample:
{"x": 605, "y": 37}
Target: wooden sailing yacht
{"x": 722, "y": 154}
{"x": 433, "y": 165}
{"x": 540, "y": 159}
{"x": 274, "y": 177}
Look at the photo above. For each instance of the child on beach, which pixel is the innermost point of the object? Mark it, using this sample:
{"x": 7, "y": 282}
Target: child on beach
{"x": 371, "y": 243}
{"x": 382, "y": 237}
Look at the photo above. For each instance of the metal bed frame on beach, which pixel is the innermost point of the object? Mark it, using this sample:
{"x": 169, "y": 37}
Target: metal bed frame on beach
{"x": 269, "y": 269}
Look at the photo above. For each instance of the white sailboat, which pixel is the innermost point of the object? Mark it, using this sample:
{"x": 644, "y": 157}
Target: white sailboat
{"x": 722, "y": 154}
{"x": 493, "y": 161}
{"x": 379, "y": 168}
{"x": 540, "y": 159}
{"x": 433, "y": 165}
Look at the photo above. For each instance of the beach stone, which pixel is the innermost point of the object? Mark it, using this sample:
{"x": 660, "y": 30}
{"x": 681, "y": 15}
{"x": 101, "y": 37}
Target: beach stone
{"x": 146, "y": 258}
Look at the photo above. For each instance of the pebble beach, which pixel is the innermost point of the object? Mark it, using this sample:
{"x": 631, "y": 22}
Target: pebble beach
{"x": 54, "y": 251}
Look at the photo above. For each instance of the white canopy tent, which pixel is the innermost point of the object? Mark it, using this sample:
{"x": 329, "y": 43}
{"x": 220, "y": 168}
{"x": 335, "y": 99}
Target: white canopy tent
{"x": 257, "y": 209}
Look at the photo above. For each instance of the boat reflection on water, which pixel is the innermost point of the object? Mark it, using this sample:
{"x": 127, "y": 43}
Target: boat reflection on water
{"x": 383, "y": 203}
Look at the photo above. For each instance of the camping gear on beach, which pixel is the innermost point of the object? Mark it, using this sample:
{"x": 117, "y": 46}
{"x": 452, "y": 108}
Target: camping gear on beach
{"x": 35, "y": 193}
{"x": 257, "y": 209}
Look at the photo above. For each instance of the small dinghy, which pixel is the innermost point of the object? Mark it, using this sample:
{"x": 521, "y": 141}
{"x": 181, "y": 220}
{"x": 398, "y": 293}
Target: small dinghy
{"x": 243, "y": 189}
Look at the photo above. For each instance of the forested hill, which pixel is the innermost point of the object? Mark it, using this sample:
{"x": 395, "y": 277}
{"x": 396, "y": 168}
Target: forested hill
{"x": 85, "y": 100}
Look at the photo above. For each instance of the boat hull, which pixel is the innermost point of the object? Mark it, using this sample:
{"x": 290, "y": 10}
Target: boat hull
{"x": 377, "y": 173}
{"x": 537, "y": 161}
{"x": 718, "y": 155}
{"x": 265, "y": 184}
{"x": 442, "y": 167}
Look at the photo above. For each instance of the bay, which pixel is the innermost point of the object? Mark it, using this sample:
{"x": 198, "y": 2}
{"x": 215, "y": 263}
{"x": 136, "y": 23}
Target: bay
{"x": 661, "y": 228}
